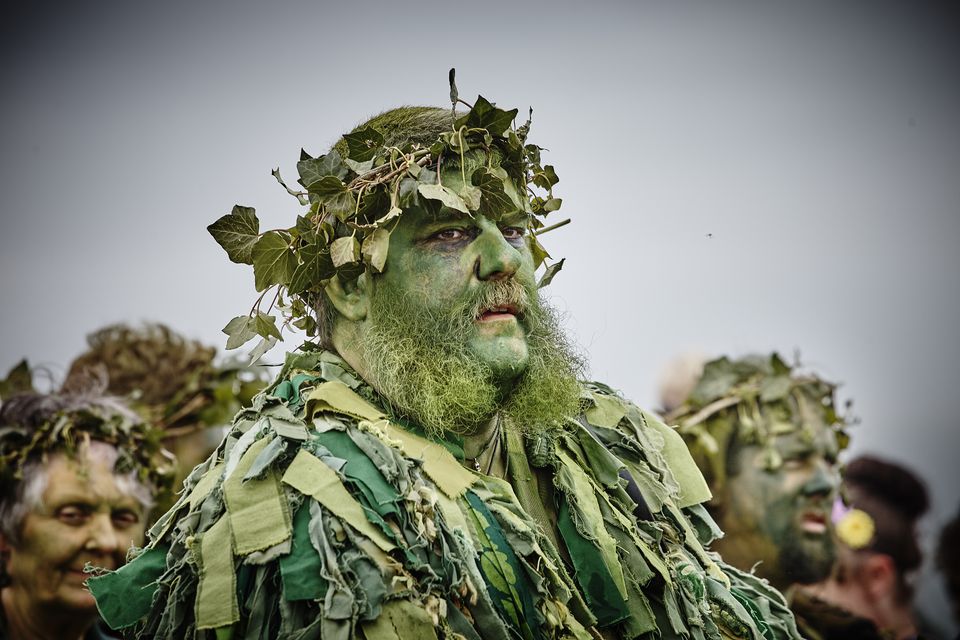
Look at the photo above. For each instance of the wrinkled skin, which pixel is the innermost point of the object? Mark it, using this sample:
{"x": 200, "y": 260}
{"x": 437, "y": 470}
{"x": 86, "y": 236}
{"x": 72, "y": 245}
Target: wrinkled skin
{"x": 781, "y": 517}
{"x": 84, "y": 517}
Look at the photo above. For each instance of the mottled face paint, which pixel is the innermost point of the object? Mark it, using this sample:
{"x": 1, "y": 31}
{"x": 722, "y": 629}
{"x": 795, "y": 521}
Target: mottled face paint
{"x": 780, "y": 516}
{"x": 444, "y": 259}
{"x": 84, "y": 516}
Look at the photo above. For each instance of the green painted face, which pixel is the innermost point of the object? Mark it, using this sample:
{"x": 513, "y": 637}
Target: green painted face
{"x": 441, "y": 260}
{"x": 781, "y": 517}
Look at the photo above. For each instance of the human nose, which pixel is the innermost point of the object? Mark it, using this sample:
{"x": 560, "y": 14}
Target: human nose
{"x": 823, "y": 481}
{"x": 496, "y": 258}
{"x": 102, "y": 536}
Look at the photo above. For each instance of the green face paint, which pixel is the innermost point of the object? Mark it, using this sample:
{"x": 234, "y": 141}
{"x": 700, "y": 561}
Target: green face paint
{"x": 781, "y": 516}
{"x": 457, "y": 330}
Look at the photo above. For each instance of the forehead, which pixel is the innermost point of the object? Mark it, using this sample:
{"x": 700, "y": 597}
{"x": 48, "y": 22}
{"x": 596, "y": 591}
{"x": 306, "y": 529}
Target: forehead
{"x": 811, "y": 440}
{"x": 88, "y": 477}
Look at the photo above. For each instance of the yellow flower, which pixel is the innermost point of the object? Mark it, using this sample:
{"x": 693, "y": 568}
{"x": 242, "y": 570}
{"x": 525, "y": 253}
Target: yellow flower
{"x": 856, "y": 529}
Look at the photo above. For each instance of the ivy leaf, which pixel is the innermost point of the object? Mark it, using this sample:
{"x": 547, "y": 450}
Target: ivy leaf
{"x": 484, "y": 115}
{"x": 237, "y": 232}
{"x": 494, "y": 201}
{"x": 273, "y": 260}
{"x": 335, "y": 196}
{"x": 18, "y": 380}
{"x": 375, "y": 248}
{"x": 552, "y": 204}
{"x": 312, "y": 170}
{"x": 315, "y": 267}
{"x": 262, "y": 347}
{"x": 240, "y": 331}
{"x": 359, "y": 168}
{"x": 445, "y": 195}
{"x": 551, "y": 271}
{"x": 546, "y": 179}
{"x": 363, "y": 144}
{"x": 266, "y": 326}
{"x": 344, "y": 251}
{"x": 539, "y": 253}
{"x": 470, "y": 196}
{"x": 774, "y": 388}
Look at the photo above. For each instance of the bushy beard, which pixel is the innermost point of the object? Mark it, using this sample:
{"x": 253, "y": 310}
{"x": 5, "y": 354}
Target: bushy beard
{"x": 421, "y": 363}
{"x": 806, "y": 560}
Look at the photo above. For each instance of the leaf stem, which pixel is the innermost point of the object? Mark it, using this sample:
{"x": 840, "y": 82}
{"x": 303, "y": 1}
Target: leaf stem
{"x": 562, "y": 223}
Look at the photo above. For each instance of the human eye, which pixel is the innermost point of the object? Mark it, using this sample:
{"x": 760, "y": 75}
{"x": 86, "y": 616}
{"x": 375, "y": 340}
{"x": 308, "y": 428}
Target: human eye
{"x": 123, "y": 518}
{"x": 73, "y": 515}
{"x": 450, "y": 234}
{"x": 513, "y": 233}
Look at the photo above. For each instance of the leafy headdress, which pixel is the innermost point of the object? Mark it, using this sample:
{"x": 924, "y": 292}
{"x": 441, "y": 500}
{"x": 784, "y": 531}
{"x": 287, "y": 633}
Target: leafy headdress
{"x": 751, "y": 401}
{"x": 354, "y": 196}
{"x": 171, "y": 381}
{"x": 35, "y": 425}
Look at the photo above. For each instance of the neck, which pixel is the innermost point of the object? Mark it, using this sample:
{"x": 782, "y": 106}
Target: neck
{"x": 28, "y": 620}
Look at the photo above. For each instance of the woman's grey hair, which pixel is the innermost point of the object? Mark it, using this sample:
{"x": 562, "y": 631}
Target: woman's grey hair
{"x": 31, "y": 411}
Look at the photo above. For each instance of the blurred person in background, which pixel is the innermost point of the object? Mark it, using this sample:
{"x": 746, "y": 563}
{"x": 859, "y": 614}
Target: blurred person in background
{"x": 173, "y": 383}
{"x": 79, "y": 474}
{"x": 879, "y": 552}
{"x": 766, "y": 438}
{"x": 948, "y": 562}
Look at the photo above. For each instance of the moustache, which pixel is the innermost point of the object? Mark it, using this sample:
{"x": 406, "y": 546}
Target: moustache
{"x": 500, "y": 295}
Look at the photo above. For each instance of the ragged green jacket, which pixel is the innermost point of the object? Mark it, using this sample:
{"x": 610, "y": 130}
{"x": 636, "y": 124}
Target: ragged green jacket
{"x": 321, "y": 516}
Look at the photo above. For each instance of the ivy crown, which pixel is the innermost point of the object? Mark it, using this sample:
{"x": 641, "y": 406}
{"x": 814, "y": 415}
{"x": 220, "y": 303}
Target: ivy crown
{"x": 355, "y": 194}
{"x": 752, "y": 401}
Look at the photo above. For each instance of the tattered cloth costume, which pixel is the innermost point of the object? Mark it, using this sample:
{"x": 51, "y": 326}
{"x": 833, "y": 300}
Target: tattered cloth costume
{"x": 321, "y": 516}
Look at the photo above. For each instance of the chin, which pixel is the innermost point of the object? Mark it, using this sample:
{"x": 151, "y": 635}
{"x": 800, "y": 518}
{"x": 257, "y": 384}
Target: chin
{"x": 506, "y": 357}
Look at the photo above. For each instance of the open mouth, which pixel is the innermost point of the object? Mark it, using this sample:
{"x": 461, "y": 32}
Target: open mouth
{"x": 813, "y": 522}
{"x": 493, "y": 314}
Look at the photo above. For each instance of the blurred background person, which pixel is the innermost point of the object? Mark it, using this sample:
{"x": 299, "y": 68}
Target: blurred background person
{"x": 948, "y": 562}
{"x": 767, "y": 438}
{"x": 173, "y": 382}
{"x": 79, "y": 474}
{"x": 879, "y": 552}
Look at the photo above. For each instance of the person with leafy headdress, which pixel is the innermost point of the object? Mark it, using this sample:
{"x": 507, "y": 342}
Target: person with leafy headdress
{"x": 172, "y": 382}
{"x": 79, "y": 473}
{"x": 767, "y": 437}
{"x": 430, "y": 466}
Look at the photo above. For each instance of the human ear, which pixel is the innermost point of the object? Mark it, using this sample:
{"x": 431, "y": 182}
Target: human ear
{"x": 880, "y": 576}
{"x": 350, "y": 299}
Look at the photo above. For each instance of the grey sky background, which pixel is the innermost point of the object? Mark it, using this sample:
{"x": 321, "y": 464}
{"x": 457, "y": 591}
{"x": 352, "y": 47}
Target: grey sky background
{"x": 742, "y": 176}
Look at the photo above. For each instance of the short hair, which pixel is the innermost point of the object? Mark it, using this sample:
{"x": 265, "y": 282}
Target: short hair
{"x": 895, "y": 498}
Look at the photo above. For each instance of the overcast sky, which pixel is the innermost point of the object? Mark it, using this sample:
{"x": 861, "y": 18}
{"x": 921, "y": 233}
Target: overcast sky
{"x": 742, "y": 176}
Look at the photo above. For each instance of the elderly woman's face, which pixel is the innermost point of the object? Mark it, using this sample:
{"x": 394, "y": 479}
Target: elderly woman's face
{"x": 85, "y": 515}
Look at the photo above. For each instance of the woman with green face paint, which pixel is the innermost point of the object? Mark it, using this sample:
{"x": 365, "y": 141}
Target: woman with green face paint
{"x": 432, "y": 466}
{"x": 76, "y": 494}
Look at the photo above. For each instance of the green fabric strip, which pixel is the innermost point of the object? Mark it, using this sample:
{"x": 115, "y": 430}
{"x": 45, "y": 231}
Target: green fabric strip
{"x": 301, "y": 569}
{"x": 362, "y": 470}
{"x": 124, "y": 596}
{"x": 693, "y": 487}
{"x": 438, "y": 463}
{"x": 216, "y": 604}
{"x": 259, "y": 513}
{"x": 337, "y": 397}
{"x": 507, "y": 583}
{"x": 205, "y": 485}
{"x": 601, "y": 593}
{"x": 308, "y": 475}
{"x": 581, "y": 496}
{"x": 401, "y": 620}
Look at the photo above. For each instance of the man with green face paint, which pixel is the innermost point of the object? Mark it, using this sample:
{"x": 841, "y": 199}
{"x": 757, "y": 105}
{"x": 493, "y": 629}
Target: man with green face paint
{"x": 767, "y": 438}
{"x": 430, "y": 465}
